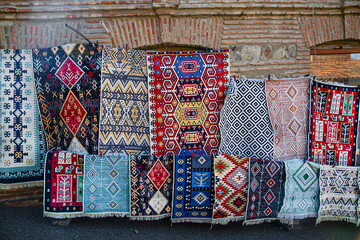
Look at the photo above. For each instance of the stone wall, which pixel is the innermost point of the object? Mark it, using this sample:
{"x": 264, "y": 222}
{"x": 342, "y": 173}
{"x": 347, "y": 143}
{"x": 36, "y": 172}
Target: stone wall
{"x": 265, "y": 36}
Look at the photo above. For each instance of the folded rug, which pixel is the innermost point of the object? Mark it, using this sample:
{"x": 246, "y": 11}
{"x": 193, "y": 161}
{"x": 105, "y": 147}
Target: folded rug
{"x": 288, "y": 101}
{"x": 186, "y": 92}
{"x": 339, "y": 194}
{"x": 151, "y": 187}
{"x": 124, "y": 108}
{"x": 244, "y": 121}
{"x": 265, "y": 192}
{"x": 22, "y": 139}
{"x": 106, "y": 185}
{"x": 68, "y": 90}
{"x": 193, "y": 189}
{"x": 231, "y": 183}
{"x": 63, "y": 189}
{"x": 333, "y": 123}
{"x": 301, "y": 190}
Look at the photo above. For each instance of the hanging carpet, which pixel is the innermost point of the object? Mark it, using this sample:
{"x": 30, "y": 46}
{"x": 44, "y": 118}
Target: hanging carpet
{"x": 68, "y": 90}
{"x": 339, "y": 194}
{"x": 124, "y": 118}
{"x": 186, "y": 94}
{"x": 301, "y": 190}
{"x": 63, "y": 189}
{"x": 193, "y": 189}
{"x": 106, "y": 185}
{"x": 333, "y": 123}
{"x": 288, "y": 101}
{"x": 244, "y": 121}
{"x": 22, "y": 140}
{"x": 151, "y": 187}
{"x": 265, "y": 192}
{"x": 231, "y": 183}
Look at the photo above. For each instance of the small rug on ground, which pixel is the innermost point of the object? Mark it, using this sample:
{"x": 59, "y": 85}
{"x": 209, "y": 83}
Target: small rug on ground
{"x": 231, "y": 183}
{"x": 151, "y": 187}
{"x": 106, "y": 185}
{"x": 63, "y": 189}
{"x": 193, "y": 189}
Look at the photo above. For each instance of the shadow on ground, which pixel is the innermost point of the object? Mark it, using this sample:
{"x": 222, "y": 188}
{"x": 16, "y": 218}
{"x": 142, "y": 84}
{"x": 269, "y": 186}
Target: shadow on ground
{"x": 29, "y": 223}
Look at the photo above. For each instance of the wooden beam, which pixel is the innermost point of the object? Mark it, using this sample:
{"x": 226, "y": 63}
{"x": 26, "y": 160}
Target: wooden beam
{"x": 334, "y": 51}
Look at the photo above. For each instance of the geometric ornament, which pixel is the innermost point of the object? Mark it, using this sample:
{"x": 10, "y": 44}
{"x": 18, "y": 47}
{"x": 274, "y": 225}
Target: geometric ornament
{"x": 305, "y": 176}
{"x": 158, "y": 202}
{"x": 69, "y": 72}
{"x": 72, "y": 112}
{"x": 158, "y": 174}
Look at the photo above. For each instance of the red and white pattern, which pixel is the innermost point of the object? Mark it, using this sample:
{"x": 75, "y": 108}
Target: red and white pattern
{"x": 231, "y": 182}
{"x": 288, "y": 101}
{"x": 186, "y": 95}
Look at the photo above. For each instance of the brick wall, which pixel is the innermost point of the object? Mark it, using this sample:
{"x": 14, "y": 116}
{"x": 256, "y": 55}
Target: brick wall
{"x": 268, "y": 36}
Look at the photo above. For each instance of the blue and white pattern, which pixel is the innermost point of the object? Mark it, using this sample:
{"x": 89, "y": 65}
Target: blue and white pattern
{"x": 193, "y": 189}
{"x": 106, "y": 185}
{"x": 22, "y": 146}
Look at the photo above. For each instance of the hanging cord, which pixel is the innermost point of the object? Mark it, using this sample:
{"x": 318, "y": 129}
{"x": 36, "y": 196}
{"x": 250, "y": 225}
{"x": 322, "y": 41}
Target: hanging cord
{"x": 66, "y": 25}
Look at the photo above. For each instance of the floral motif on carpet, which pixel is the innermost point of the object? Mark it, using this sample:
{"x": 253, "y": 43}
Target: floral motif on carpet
{"x": 186, "y": 95}
{"x": 265, "y": 191}
{"x": 301, "y": 190}
{"x": 63, "y": 189}
{"x": 151, "y": 187}
{"x": 231, "y": 183}
{"x": 68, "y": 90}
{"x": 339, "y": 194}
{"x": 22, "y": 140}
{"x": 106, "y": 185}
{"x": 193, "y": 189}
{"x": 333, "y": 123}
{"x": 288, "y": 101}
{"x": 244, "y": 121}
{"x": 124, "y": 118}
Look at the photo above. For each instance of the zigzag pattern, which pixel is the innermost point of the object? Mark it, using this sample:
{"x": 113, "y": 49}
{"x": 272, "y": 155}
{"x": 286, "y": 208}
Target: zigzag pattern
{"x": 124, "y": 102}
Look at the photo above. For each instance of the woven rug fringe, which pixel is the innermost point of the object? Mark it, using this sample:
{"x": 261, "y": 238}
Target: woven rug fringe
{"x": 21, "y": 185}
{"x": 224, "y": 221}
{"x": 297, "y": 216}
{"x": 287, "y": 221}
{"x": 104, "y": 215}
{"x": 189, "y": 220}
{"x": 149, "y": 218}
{"x": 332, "y": 218}
{"x": 259, "y": 221}
{"x": 63, "y": 215}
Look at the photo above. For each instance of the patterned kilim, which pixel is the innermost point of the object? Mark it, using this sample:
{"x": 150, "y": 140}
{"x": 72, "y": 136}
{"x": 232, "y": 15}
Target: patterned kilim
{"x": 124, "y": 118}
{"x": 193, "y": 189}
{"x": 68, "y": 90}
{"x": 333, "y": 123}
{"x": 106, "y": 185}
{"x": 63, "y": 189}
{"x": 22, "y": 140}
{"x": 151, "y": 187}
{"x": 266, "y": 190}
{"x": 186, "y": 95}
{"x": 301, "y": 190}
{"x": 288, "y": 102}
{"x": 244, "y": 121}
{"x": 339, "y": 194}
{"x": 231, "y": 183}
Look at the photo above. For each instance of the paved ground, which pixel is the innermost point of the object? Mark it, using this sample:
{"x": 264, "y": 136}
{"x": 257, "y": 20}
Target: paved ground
{"x": 28, "y": 223}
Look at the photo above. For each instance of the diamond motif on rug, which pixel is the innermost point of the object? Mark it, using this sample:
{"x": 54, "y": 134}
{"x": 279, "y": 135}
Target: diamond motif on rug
{"x": 92, "y": 188}
{"x": 113, "y": 189}
{"x": 305, "y": 176}
{"x": 92, "y": 174}
{"x": 291, "y": 91}
{"x": 113, "y": 173}
{"x": 294, "y": 126}
{"x": 158, "y": 174}
{"x": 272, "y": 168}
{"x": 69, "y": 72}
{"x": 72, "y": 113}
{"x": 236, "y": 178}
{"x": 269, "y": 197}
{"x": 158, "y": 202}
{"x": 112, "y": 204}
{"x": 200, "y": 198}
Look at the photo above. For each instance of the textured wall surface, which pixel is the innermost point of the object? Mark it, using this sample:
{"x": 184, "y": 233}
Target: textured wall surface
{"x": 267, "y": 36}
